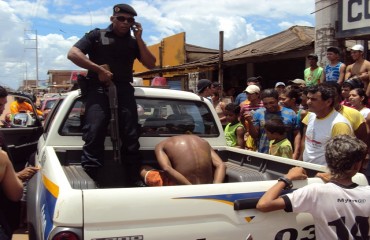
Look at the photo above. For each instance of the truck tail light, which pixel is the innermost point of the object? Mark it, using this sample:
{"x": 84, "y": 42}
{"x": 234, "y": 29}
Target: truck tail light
{"x": 66, "y": 236}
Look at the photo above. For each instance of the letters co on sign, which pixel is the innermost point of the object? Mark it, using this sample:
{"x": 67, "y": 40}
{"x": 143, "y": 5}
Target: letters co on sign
{"x": 353, "y": 18}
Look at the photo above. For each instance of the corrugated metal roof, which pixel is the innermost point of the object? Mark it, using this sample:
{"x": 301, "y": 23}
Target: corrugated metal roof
{"x": 198, "y": 49}
{"x": 290, "y": 39}
{"x": 294, "y": 38}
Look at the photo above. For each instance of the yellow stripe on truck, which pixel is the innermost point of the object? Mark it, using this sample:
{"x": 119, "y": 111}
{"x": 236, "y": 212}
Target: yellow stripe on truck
{"x": 50, "y": 186}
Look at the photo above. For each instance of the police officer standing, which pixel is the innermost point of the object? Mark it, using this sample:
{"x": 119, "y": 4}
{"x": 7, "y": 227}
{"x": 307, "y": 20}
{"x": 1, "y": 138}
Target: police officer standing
{"x": 116, "y": 48}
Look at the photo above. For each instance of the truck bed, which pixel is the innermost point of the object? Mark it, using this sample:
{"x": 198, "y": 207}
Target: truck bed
{"x": 240, "y": 168}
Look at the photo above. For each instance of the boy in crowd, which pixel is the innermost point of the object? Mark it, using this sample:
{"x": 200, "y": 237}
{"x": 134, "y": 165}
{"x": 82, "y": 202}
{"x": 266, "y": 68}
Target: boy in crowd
{"x": 333, "y": 218}
{"x": 234, "y": 130}
{"x": 313, "y": 75}
{"x": 335, "y": 70}
{"x": 242, "y": 97}
{"x": 272, "y": 109}
{"x": 279, "y": 144}
{"x": 280, "y": 87}
{"x": 246, "y": 114}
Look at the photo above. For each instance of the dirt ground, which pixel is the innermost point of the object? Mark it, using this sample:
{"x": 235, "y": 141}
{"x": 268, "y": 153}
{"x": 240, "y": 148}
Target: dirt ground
{"x": 20, "y": 234}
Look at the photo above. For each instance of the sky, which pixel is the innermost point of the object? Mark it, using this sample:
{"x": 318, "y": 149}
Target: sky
{"x": 38, "y": 34}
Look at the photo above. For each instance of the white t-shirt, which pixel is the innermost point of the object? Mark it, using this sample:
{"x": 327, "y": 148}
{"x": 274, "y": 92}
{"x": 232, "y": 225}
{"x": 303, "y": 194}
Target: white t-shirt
{"x": 365, "y": 111}
{"x": 318, "y": 133}
{"x": 337, "y": 210}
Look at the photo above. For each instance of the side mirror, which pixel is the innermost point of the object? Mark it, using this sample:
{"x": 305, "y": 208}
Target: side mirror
{"x": 20, "y": 120}
{"x": 23, "y": 120}
{"x": 27, "y": 112}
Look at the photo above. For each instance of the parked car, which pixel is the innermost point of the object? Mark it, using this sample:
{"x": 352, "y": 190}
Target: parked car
{"x": 47, "y": 104}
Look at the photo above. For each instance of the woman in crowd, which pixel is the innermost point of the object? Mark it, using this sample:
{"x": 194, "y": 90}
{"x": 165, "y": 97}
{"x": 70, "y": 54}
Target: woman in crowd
{"x": 358, "y": 100}
{"x": 219, "y": 106}
{"x": 291, "y": 98}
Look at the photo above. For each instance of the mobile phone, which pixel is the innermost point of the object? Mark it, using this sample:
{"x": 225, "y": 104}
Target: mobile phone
{"x": 134, "y": 27}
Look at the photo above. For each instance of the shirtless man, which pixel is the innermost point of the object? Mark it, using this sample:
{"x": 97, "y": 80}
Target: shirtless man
{"x": 185, "y": 160}
{"x": 360, "y": 68}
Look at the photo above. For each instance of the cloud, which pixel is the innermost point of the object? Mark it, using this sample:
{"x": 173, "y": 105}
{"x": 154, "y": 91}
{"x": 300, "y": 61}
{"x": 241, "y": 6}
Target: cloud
{"x": 30, "y": 9}
{"x": 87, "y": 17}
{"x": 242, "y": 21}
{"x": 12, "y": 46}
{"x": 60, "y": 23}
{"x": 284, "y": 25}
{"x": 18, "y": 54}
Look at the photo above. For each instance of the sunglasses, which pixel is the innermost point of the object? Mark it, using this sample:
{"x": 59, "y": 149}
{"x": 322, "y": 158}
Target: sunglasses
{"x": 124, "y": 19}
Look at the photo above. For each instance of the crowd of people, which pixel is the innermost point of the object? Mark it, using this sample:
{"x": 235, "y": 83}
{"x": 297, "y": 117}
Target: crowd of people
{"x": 296, "y": 119}
{"x": 323, "y": 119}
{"x": 305, "y": 119}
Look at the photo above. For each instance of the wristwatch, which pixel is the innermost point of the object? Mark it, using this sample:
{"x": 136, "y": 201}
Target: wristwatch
{"x": 288, "y": 183}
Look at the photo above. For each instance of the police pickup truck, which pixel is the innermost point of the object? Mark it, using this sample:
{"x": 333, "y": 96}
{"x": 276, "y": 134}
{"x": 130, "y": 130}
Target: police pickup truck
{"x": 65, "y": 203}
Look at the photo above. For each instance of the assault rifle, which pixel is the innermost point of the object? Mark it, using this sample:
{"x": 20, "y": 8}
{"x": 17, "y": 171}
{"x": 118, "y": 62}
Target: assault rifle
{"x": 114, "y": 125}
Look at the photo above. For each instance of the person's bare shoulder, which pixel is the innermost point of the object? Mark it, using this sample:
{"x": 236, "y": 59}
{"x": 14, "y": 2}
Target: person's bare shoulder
{"x": 3, "y": 157}
{"x": 367, "y": 64}
{"x": 349, "y": 67}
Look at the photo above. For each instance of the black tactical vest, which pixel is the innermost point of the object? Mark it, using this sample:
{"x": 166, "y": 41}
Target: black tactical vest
{"x": 118, "y": 52}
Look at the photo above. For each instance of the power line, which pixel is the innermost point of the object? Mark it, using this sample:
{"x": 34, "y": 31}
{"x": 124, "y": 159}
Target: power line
{"x": 37, "y": 54}
{"x": 324, "y": 7}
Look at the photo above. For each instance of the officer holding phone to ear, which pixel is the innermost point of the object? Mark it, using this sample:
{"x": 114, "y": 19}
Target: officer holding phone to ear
{"x": 116, "y": 48}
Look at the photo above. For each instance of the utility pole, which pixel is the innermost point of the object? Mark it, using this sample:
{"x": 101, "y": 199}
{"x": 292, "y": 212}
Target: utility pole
{"x": 326, "y": 14}
{"x": 221, "y": 59}
{"x": 26, "y": 75}
{"x": 37, "y": 53}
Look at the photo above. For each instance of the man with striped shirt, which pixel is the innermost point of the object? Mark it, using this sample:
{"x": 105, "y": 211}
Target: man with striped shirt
{"x": 335, "y": 70}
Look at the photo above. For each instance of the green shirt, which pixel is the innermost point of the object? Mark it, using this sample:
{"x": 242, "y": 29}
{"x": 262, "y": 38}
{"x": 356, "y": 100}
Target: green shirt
{"x": 281, "y": 149}
{"x": 312, "y": 77}
{"x": 230, "y": 135}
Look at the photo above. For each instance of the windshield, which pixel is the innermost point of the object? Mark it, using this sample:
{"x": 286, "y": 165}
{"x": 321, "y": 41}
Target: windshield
{"x": 49, "y": 104}
{"x": 158, "y": 117}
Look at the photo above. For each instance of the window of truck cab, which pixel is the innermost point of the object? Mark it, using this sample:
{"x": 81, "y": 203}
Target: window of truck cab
{"x": 51, "y": 116}
{"x": 166, "y": 117}
{"x": 157, "y": 118}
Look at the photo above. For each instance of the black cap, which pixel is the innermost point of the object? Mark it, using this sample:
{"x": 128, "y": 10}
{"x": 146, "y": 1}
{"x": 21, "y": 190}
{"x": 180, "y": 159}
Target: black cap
{"x": 202, "y": 84}
{"x": 254, "y": 79}
{"x": 333, "y": 50}
{"x": 216, "y": 84}
{"x": 312, "y": 55}
{"x": 353, "y": 83}
{"x": 124, "y": 8}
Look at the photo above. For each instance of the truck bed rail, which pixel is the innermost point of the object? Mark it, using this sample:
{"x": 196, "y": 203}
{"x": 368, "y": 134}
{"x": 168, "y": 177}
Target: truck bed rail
{"x": 78, "y": 178}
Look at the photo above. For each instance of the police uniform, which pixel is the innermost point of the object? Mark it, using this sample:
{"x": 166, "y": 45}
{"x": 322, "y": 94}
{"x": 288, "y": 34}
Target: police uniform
{"x": 119, "y": 53}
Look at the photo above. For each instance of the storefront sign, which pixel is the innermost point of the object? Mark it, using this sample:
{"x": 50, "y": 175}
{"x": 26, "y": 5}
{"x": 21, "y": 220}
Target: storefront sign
{"x": 353, "y": 18}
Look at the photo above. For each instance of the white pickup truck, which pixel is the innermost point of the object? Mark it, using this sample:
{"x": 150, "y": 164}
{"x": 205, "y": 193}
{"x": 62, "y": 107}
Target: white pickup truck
{"x": 65, "y": 203}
